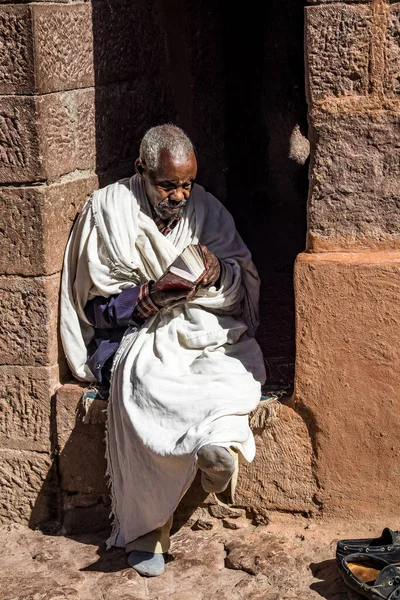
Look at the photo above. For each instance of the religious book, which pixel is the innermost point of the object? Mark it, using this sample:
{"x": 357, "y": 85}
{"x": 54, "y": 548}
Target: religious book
{"x": 186, "y": 270}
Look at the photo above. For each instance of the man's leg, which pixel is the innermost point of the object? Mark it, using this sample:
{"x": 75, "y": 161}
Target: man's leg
{"x": 217, "y": 465}
{"x": 146, "y": 552}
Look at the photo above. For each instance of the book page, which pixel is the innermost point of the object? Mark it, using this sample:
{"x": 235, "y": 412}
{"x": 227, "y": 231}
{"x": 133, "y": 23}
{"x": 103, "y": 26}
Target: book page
{"x": 189, "y": 264}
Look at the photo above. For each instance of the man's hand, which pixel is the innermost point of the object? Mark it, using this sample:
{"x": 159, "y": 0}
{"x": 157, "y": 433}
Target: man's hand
{"x": 167, "y": 298}
{"x": 213, "y": 272}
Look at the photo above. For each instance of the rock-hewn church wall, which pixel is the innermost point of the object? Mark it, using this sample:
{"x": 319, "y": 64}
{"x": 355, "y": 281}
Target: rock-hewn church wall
{"x": 46, "y": 172}
{"x": 80, "y": 82}
{"x": 348, "y": 283}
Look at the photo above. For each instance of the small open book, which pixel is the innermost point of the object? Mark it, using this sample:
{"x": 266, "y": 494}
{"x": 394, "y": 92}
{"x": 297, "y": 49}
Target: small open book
{"x": 186, "y": 270}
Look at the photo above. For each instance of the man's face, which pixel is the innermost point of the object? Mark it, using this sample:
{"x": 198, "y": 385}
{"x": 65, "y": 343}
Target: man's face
{"x": 168, "y": 189}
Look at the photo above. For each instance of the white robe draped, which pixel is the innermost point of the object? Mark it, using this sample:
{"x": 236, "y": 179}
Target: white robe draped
{"x": 190, "y": 375}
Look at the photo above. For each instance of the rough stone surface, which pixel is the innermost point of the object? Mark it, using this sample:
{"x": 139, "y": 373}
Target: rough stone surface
{"x": 63, "y": 47}
{"x": 23, "y": 483}
{"x": 281, "y": 475}
{"x": 43, "y": 137}
{"x": 355, "y": 181}
{"x": 67, "y": 132}
{"x": 338, "y": 42}
{"x": 32, "y": 218}
{"x": 392, "y": 77}
{"x": 16, "y": 50}
{"x": 340, "y": 1}
{"x": 19, "y": 144}
{"x": 25, "y": 407}
{"x": 347, "y": 377}
{"x": 82, "y": 462}
{"x": 85, "y": 132}
{"x": 293, "y": 559}
{"x": 29, "y": 317}
{"x": 45, "y": 48}
{"x": 121, "y": 56}
{"x": 121, "y": 122}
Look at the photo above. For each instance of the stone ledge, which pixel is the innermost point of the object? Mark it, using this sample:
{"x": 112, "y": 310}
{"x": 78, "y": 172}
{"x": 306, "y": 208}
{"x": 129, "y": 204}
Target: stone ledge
{"x": 280, "y": 478}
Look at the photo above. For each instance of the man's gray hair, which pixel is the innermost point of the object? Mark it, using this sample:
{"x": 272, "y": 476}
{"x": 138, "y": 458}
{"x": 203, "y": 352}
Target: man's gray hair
{"x": 164, "y": 137}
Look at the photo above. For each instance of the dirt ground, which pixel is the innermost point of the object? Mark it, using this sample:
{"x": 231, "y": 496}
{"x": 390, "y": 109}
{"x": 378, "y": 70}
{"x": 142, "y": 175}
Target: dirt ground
{"x": 291, "y": 558}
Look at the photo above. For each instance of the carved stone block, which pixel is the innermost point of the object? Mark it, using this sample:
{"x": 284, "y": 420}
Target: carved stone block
{"x": 85, "y": 129}
{"x": 355, "y": 181}
{"x": 45, "y": 48}
{"x": 46, "y": 136}
{"x": 337, "y": 42}
{"x": 28, "y": 323}
{"x": 20, "y": 158}
{"x": 24, "y": 487}
{"x": 25, "y": 399}
{"x": 63, "y": 44}
{"x": 16, "y": 50}
{"x": 32, "y": 218}
{"x": 66, "y": 130}
{"x": 392, "y": 68}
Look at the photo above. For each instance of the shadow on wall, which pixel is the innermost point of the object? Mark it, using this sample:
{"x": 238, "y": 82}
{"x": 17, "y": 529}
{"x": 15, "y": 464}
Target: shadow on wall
{"x": 234, "y": 81}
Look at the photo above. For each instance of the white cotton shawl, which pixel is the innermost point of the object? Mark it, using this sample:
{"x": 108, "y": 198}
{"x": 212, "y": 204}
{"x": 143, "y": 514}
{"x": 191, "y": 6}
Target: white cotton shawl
{"x": 190, "y": 375}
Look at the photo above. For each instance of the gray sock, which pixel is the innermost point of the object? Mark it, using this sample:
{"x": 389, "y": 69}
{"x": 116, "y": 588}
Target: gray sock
{"x": 217, "y": 466}
{"x": 146, "y": 563}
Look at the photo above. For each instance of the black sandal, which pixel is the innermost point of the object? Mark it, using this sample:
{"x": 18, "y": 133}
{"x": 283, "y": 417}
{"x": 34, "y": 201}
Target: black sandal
{"x": 387, "y": 546}
{"x": 371, "y": 576}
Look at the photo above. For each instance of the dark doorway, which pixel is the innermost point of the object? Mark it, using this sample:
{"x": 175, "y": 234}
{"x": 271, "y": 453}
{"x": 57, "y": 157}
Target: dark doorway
{"x": 233, "y": 79}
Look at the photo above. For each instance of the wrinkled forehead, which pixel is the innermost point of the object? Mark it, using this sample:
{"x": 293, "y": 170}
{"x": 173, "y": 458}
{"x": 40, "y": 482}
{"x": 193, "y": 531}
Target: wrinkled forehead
{"x": 175, "y": 168}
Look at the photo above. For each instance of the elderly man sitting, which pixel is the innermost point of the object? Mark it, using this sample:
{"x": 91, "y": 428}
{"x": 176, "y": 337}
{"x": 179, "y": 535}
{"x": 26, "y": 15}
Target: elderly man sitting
{"x": 184, "y": 367}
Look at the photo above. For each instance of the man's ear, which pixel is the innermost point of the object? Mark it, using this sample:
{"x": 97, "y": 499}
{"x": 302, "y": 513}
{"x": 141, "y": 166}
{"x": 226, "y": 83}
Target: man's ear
{"x": 139, "y": 167}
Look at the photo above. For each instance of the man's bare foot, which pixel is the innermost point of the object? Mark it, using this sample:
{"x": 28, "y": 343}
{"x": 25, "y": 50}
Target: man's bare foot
{"x": 217, "y": 466}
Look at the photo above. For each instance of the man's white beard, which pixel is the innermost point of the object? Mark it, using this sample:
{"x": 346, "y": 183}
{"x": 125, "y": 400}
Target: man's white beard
{"x": 165, "y": 205}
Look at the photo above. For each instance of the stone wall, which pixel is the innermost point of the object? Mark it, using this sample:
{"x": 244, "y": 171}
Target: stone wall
{"x": 348, "y": 283}
{"x": 47, "y": 169}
